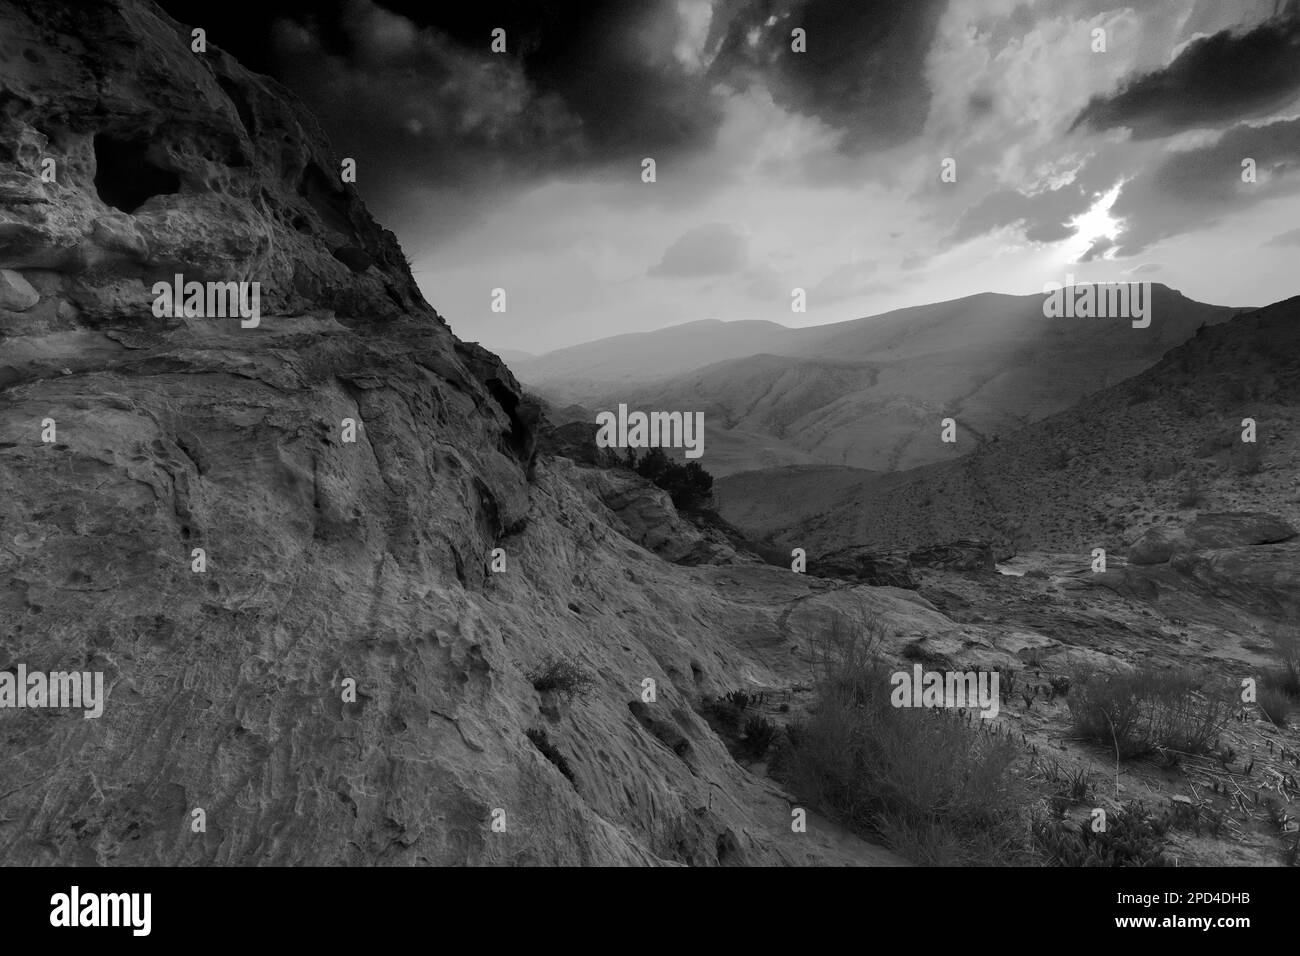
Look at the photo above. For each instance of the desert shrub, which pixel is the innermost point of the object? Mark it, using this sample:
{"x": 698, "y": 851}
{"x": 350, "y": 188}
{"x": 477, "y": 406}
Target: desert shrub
{"x": 739, "y": 699}
{"x": 1131, "y": 838}
{"x": 937, "y": 788}
{"x": 561, "y": 675}
{"x": 722, "y": 716}
{"x": 548, "y": 750}
{"x": 689, "y": 485}
{"x": 727, "y": 712}
{"x": 1107, "y": 709}
{"x": 758, "y": 736}
{"x": 1147, "y": 709}
{"x": 1286, "y": 677}
{"x": 1276, "y": 704}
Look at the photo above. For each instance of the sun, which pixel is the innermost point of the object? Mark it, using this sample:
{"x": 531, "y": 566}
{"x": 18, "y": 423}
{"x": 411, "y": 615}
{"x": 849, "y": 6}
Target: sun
{"x": 1097, "y": 223}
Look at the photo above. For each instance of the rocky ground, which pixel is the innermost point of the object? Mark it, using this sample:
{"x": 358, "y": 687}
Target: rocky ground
{"x": 1198, "y": 529}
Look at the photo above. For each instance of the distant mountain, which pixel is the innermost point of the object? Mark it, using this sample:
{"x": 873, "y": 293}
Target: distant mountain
{"x": 869, "y": 393}
{"x": 587, "y": 373}
{"x": 1148, "y": 452}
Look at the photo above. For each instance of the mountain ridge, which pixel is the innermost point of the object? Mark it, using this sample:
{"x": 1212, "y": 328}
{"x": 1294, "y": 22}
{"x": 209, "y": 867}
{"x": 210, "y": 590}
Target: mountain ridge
{"x": 870, "y": 393}
{"x": 1069, "y": 464}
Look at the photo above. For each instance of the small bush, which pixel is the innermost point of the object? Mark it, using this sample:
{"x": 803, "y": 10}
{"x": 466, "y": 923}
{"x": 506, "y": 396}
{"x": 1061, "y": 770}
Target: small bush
{"x": 1286, "y": 678}
{"x": 758, "y": 736}
{"x": 1280, "y": 688}
{"x": 1131, "y": 838}
{"x": 739, "y": 699}
{"x": 937, "y": 788}
{"x": 561, "y": 675}
{"x": 726, "y": 713}
{"x": 689, "y": 485}
{"x": 550, "y": 752}
{"x": 1145, "y": 710}
{"x": 1276, "y": 704}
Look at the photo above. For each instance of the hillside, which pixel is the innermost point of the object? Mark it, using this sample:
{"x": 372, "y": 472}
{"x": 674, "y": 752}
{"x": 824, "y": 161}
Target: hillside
{"x": 871, "y": 393}
{"x": 1143, "y": 453}
{"x": 585, "y": 373}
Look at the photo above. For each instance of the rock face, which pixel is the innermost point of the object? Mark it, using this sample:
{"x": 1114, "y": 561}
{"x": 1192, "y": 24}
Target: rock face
{"x": 1210, "y": 532}
{"x": 16, "y": 293}
{"x": 184, "y": 163}
{"x": 898, "y": 568}
{"x": 573, "y": 440}
{"x": 963, "y": 555}
{"x": 236, "y": 526}
{"x": 1264, "y": 578}
{"x": 877, "y": 568}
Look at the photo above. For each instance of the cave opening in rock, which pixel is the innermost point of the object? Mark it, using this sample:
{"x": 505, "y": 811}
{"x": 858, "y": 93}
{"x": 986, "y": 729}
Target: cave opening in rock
{"x": 125, "y": 177}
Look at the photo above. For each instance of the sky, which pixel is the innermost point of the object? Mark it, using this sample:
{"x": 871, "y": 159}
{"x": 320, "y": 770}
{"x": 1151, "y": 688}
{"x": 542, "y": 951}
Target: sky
{"x": 819, "y": 170}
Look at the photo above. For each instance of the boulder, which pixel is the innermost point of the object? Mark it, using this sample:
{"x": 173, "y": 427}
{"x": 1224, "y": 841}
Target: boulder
{"x": 1264, "y": 579}
{"x": 877, "y": 568}
{"x": 573, "y": 440}
{"x": 16, "y": 293}
{"x": 964, "y": 555}
{"x": 1210, "y": 532}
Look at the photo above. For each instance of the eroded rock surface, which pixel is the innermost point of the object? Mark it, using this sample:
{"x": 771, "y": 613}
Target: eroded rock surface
{"x": 1209, "y": 532}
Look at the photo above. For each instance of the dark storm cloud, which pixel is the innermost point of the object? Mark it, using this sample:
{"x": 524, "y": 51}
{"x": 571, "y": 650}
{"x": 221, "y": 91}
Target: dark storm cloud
{"x": 1214, "y": 81}
{"x": 1194, "y": 189}
{"x": 438, "y": 106}
{"x": 1043, "y": 216}
{"x": 863, "y": 71}
{"x": 586, "y": 87}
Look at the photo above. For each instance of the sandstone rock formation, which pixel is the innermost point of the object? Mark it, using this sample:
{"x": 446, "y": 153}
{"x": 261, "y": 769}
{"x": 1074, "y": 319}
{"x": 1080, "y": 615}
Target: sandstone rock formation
{"x": 880, "y": 568}
{"x": 963, "y": 555}
{"x": 1209, "y": 532}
